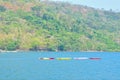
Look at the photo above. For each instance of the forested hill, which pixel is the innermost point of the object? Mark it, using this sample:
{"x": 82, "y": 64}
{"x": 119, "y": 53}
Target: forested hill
{"x": 57, "y": 26}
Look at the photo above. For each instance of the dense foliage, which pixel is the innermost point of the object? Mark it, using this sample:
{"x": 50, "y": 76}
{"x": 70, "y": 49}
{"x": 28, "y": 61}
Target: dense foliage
{"x": 56, "y": 26}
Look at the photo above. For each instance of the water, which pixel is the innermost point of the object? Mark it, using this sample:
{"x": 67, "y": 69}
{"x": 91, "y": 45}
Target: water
{"x": 27, "y": 66}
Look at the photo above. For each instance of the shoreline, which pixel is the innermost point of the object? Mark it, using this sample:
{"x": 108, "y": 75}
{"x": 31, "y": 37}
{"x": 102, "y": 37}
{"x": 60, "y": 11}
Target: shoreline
{"x": 44, "y": 51}
{"x": 15, "y": 51}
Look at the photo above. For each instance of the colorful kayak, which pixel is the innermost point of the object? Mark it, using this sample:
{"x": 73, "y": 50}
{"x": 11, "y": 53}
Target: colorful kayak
{"x": 70, "y": 58}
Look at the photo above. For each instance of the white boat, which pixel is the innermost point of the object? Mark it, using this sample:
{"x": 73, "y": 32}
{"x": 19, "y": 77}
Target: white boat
{"x": 80, "y": 58}
{"x": 45, "y": 58}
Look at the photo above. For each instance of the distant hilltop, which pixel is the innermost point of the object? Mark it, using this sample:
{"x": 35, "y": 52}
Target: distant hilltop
{"x": 34, "y": 25}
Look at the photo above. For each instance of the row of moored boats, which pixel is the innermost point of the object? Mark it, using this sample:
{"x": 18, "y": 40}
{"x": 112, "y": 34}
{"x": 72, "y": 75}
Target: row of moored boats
{"x": 70, "y": 58}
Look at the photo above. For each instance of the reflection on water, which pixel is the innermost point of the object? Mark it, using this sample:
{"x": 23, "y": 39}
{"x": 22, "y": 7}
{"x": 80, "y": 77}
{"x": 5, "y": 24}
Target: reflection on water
{"x": 27, "y": 66}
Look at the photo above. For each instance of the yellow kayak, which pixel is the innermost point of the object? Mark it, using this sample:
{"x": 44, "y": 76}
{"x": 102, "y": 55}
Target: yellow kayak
{"x": 64, "y": 58}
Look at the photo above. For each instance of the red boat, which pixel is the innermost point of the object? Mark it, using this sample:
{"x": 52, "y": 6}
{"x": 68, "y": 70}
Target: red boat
{"x": 51, "y": 58}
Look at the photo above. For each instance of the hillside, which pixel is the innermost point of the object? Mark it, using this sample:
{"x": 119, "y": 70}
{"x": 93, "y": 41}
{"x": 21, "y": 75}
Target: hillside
{"x": 57, "y": 26}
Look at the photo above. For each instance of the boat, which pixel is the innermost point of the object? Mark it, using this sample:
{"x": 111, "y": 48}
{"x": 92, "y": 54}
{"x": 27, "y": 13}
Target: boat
{"x": 45, "y": 58}
{"x": 67, "y": 58}
{"x": 80, "y": 58}
{"x": 94, "y": 58}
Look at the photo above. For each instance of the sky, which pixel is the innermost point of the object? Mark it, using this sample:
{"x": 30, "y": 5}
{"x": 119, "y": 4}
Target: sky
{"x": 106, "y": 4}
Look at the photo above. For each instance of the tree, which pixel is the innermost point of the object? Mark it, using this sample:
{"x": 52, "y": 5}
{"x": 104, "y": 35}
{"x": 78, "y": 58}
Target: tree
{"x": 36, "y": 9}
{"x": 2, "y": 9}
